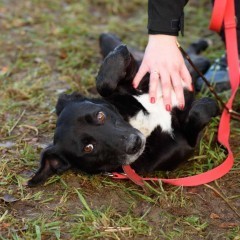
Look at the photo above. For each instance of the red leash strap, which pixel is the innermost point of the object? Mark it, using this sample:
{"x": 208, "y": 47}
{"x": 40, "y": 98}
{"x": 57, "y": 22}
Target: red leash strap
{"x": 218, "y": 12}
{"x": 223, "y": 11}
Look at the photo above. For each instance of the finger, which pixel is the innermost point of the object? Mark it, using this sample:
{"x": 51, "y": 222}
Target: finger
{"x": 186, "y": 77}
{"x": 178, "y": 89}
{"x": 166, "y": 90}
{"x": 140, "y": 74}
{"x": 153, "y": 85}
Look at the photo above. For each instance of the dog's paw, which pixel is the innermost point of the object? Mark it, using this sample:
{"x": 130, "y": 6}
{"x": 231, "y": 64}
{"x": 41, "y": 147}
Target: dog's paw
{"x": 203, "y": 110}
{"x": 113, "y": 70}
{"x": 108, "y": 42}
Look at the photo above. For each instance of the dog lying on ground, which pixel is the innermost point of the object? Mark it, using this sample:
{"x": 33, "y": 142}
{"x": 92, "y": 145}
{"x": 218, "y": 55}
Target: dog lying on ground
{"x": 123, "y": 127}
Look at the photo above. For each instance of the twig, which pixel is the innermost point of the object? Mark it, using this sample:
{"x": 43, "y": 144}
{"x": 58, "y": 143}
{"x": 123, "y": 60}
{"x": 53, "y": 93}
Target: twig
{"x": 16, "y": 123}
{"x": 117, "y": 229}
{"x": 30, "y": 127}
{"x": 221, "y": 195}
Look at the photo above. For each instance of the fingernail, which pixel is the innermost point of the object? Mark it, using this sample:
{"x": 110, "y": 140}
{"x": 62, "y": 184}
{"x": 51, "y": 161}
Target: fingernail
{"x": 191, "y": 88}
{"x": 181, "y": 106}
{"x": 168, "y": 108}
{"x": 152, "y": 100}
{"x": 134, "y": 85}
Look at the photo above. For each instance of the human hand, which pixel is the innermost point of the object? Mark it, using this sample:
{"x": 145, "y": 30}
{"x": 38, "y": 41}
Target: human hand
{"x": 164, "y": 61}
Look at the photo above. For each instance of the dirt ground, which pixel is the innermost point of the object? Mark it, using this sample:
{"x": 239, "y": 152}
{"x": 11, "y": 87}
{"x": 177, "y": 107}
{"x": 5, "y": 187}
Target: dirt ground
{"x": 51, "y": 46}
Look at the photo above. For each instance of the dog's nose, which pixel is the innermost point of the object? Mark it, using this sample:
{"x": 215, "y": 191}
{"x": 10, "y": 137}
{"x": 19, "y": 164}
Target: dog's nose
{"x": 134, "y": 144}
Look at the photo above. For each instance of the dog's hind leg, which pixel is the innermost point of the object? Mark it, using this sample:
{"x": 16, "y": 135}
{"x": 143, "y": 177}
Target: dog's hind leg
{"x": 201, "y": 62}
{"x": 199, "y": 116}
{"x": 197, "y": 47}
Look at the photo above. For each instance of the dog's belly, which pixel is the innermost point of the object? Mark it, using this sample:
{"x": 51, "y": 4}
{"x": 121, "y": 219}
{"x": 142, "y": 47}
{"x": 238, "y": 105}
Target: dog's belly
{"x": 157, "y": 115}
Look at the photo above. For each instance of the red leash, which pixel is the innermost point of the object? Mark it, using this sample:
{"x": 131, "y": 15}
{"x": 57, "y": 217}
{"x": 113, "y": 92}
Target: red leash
{"x": 223, "y": 11}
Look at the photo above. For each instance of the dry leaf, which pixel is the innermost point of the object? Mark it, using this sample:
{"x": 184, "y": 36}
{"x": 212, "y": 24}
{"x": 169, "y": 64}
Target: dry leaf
{"x": 228, "y": 225}
{"x": 63, "y": 55}
{"x": 214, "y": 216}
{"x": 4, "y": 70}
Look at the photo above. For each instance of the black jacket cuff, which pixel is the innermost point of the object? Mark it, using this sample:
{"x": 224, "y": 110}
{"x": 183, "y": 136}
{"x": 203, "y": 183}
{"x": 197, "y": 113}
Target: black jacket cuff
{"x": 166, "y": 16}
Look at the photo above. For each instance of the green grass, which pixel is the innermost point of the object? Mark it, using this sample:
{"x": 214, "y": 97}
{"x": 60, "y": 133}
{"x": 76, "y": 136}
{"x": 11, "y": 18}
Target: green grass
{"x": 52, "y": 46}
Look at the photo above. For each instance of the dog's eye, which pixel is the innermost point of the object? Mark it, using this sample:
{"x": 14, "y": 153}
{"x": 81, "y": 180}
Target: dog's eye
{"x": 101, "y": 117}
{"x": 88, "y": 148}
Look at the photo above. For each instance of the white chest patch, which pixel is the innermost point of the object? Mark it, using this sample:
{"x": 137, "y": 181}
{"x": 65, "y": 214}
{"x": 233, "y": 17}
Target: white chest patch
{"x": 157, "y": 115}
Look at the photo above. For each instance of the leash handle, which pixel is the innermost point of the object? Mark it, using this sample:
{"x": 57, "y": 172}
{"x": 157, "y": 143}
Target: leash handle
{"x": 223, "y": 11}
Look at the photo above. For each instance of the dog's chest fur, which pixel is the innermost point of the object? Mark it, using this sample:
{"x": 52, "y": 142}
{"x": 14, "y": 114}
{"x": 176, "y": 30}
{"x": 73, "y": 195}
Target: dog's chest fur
{"x": 156, "y": 115}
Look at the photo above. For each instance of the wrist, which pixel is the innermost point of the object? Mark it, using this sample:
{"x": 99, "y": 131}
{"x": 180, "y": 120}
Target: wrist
{"x": 161, "y": 38}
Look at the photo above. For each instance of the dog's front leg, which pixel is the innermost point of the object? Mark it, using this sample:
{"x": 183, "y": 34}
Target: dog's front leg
{"x": 117, "y": 72}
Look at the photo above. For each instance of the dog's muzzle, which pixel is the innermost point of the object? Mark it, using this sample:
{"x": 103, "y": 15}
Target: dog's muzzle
{"x": 135, "y": 143}
{"x": 135, "y": 147}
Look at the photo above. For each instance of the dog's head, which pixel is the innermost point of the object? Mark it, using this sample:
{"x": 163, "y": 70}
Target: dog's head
{"x": 91, "y": 136}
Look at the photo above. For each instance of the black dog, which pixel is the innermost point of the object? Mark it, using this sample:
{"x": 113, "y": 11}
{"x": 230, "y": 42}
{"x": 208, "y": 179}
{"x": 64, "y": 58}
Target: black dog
{"x": 99, "y": 135}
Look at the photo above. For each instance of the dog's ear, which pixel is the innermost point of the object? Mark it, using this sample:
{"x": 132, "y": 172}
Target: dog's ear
{"x": 50, "y": 163}
{"x": 65, "y": 99}
{"x": 118, "y": 68}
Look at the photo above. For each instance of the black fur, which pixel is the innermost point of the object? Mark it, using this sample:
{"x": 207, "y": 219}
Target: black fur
{"x": 103, "y": 124}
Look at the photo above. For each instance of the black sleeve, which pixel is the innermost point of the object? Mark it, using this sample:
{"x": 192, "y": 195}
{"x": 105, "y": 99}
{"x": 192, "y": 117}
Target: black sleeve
{"x": 166, "y": 16}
